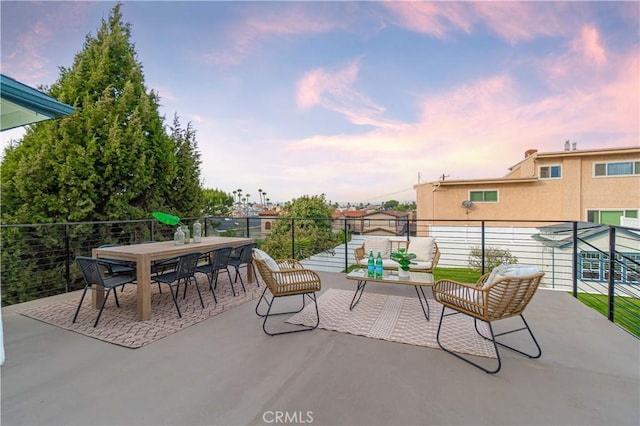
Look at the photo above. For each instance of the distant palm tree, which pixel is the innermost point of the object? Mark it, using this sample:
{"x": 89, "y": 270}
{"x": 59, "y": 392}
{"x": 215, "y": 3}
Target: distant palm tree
{"x": 260, "y": 192}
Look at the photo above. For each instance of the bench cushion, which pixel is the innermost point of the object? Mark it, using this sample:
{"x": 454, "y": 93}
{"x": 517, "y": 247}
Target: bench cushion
{"x": 376, "y": 245}
{"x": 422, "y": 247}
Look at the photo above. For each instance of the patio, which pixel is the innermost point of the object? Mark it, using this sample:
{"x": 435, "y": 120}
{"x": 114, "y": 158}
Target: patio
{"x": 225, "y": 371}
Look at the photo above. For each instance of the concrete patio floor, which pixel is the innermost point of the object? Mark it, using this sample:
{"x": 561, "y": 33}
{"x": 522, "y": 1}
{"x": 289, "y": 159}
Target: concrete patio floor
{"x": 225, "y": 371}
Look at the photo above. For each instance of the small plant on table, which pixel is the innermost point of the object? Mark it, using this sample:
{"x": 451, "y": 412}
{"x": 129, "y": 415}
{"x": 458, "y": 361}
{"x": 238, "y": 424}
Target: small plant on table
{"x": 404, "y": 260}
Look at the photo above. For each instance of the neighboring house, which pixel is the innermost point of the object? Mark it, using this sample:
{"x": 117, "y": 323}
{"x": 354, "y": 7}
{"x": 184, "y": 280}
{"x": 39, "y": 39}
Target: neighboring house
{"x": 593, "y": 253}
{"x": 267, "y": 219}
{"x": 598, "y": 185}
{"x": 353, "y": 219}
{"x": 385, "y": 222}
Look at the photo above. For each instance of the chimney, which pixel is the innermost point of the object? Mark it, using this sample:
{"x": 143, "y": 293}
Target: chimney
{"x": 567, "y": 146}
{"x": 529, "y": 152}
{"x": 575, "y": 146}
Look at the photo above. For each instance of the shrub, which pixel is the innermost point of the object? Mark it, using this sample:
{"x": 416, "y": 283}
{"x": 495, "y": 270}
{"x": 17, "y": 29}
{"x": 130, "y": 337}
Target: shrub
{"x": 494, "y": 256}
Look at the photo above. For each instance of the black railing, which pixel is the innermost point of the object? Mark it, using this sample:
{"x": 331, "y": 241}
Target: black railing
{"x": 38, "y": 259}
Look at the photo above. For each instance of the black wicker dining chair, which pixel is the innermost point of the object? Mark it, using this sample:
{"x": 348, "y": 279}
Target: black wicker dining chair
{"x": 217, "y": 261}
{"x": 95, "y": 273}
{"x": 184, "y": 273}
{"x": 243, "y": 256}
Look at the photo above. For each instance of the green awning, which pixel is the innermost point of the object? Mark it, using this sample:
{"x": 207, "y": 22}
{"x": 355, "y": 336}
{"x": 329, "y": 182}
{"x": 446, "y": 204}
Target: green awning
{"x": 22, "y": 104}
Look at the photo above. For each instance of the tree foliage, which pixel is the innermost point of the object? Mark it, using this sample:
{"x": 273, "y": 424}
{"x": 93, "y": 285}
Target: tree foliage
{"x": 217, "y": 202}
{"x": 494, "y": 256}
{"x": 112, "y": 158}
{"x": 309, "y": 219}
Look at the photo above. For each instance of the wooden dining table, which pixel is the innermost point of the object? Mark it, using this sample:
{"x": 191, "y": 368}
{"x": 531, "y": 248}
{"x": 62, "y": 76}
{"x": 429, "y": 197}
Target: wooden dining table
{"x": 143, "y": 254}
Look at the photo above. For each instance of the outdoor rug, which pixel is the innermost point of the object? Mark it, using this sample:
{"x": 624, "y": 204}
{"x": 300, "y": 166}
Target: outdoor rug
{"x": 120, "y": 326}
{"x": 395, "y": 319}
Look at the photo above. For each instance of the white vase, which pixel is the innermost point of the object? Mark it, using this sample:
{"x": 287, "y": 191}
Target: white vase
{"x": 402, "y": 273}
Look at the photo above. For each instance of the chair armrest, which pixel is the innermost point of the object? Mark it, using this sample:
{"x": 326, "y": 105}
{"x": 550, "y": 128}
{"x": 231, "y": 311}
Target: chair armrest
{"x": 467, "y": 298}
{"x": 436, "y": 256}
{"x": 482, "y": 279}
{"x": 289, "y": 264}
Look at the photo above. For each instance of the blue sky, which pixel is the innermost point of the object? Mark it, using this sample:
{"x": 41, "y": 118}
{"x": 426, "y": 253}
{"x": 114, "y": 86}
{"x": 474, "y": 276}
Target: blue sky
{"x": 358, "y": 99}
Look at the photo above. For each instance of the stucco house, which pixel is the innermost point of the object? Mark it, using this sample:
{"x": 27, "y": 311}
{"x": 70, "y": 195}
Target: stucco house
{"x": 597, "y": 185}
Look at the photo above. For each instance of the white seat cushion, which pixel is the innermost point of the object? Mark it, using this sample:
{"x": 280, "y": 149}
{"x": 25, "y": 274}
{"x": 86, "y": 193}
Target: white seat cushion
{"x": 376, "y": 245}
{"x": 266, "y": 259}
{"x": 422, "y": 247}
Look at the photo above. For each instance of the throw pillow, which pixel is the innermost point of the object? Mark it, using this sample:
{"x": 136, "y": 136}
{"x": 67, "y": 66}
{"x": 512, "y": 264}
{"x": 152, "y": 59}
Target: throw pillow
{"x": 266, "y": 259}
{"x": 376, "y": 245}
{"x": 422, "y": 247}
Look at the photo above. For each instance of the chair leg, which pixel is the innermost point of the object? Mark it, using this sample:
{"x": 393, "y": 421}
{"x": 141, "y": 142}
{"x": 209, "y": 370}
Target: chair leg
{"x": 241, "y": 282}
{"x": 264, "y": 297}
{"x": 104, "y": 302}
{"x": 526, "y": 327}
{"x": 115, "y": 294}
{"x": 198, "y": 289}
{"x": 255, "y": 274}
{"x": 75, "y": 317}
{"x": 175, "y": 300}
{"x": 237, "y": 268}
{"x": 465, "y": 359}
{"x": 312, "y": 296}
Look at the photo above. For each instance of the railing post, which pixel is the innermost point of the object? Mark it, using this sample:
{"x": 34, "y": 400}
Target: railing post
{"x": 248, "y": 230}
{"x": 293, "y": 238}
{"x": 482, "y": 245}
{"x": 346, "y": 246}
{"x": 67, "y": 251}
{"x": 612, "y": 271}
{"x": 575, "y": 259}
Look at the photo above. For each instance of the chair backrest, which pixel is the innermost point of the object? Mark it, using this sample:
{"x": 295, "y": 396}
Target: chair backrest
{"x": 90, "y": 270}
{"x": 221, "y": 257}
{"x": 265, "y": 272}
{"x": 509, "y": 296}
{"x": 246, "y": 255}
{"x": 187, "y": 264}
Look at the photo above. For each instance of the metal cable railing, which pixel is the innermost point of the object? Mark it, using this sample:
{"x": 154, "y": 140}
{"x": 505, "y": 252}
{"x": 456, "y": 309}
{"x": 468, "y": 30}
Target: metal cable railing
{"x": 37, "y": 260}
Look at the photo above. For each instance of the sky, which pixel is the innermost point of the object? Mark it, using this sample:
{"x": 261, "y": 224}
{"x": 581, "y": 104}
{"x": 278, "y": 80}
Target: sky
{"x": 360, "y": 100}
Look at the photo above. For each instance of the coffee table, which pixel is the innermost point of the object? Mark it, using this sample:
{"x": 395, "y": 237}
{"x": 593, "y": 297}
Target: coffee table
{"x": 418, "y": 280}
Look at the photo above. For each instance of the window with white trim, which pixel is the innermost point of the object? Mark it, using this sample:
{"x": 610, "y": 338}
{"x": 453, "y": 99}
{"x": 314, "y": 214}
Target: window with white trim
{"x": 610, "y": 217}
{"x": 550, "y": 172}
{"x": 484, "y": 196}
{"x": 617, "y": 168}
{"x": 594, "y": 266}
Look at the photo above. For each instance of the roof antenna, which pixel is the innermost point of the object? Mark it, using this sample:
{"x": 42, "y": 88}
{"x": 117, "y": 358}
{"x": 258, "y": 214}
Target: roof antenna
{"x": 442, "y": 178}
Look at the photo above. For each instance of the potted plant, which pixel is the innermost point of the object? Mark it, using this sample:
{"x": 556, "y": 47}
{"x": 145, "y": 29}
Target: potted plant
{"x": 404, "y": 260}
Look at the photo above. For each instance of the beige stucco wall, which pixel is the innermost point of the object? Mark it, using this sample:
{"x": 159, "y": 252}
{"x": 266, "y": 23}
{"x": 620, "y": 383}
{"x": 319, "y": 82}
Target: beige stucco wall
{"x": 567, "y": 198}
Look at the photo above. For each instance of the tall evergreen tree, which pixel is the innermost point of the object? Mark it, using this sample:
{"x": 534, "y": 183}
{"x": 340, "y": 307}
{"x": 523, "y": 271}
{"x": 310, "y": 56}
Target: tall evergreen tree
{"x": 112, "y": 158}
{"x": 185, "y": 188}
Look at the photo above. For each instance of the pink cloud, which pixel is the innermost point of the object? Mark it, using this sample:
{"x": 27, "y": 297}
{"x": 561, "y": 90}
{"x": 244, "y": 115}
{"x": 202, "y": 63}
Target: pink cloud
{"x": 29, "y": 52}
{"x": 588, "y": 44}
{"x": 434, "y": 18}
{"x": 334, "y": 90}
{"x": 243, "y": 36}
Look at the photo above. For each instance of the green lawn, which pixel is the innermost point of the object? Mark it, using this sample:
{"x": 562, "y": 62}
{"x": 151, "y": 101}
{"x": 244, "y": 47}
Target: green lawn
{"x": 626, "y": 310}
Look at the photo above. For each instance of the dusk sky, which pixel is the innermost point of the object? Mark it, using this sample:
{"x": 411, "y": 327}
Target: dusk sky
{"x": 358, "y": 99}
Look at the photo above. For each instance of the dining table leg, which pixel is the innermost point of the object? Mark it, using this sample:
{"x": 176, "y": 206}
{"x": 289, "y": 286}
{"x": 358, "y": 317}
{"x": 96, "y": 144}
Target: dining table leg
{"x": 143, "y": 306}
{"x": 97, "y": 296}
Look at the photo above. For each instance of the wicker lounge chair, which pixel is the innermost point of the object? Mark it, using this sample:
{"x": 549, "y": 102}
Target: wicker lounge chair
{"x": 285, "y": 278}
{"x": 494, "y": 297}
